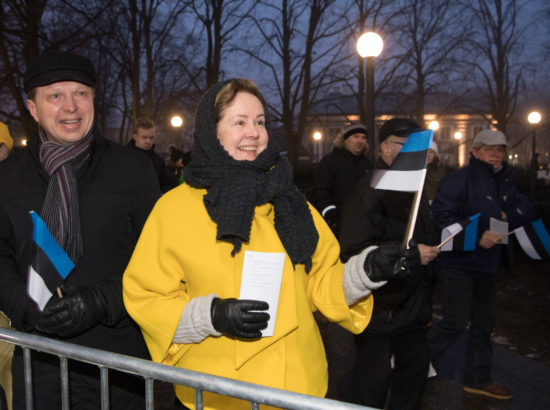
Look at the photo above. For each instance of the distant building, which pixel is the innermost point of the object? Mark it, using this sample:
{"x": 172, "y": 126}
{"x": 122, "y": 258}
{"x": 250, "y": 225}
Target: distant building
{"x": 457, "y": 125}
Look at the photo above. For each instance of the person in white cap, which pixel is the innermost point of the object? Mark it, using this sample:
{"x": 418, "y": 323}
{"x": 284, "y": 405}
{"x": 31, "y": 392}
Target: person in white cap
{"x": 434, "y": 173}
{"x": 485, "y": 186}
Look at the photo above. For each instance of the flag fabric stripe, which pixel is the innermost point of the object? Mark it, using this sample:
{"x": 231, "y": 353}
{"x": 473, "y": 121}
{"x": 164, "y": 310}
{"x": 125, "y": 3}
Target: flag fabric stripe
{"x": 44, "y": 239}
{"x": 418, "y": 141}
{"x": 525, "y": 243}
{"x": 37, "y": 289}
{"x": 542, "y": 234}
{"x": 409, "y": 161}
{"x": 470, "y": 234}
{"x": 465, "y": 235}
{"x": 408, "y": 181}
{"x": 408, "y": 170}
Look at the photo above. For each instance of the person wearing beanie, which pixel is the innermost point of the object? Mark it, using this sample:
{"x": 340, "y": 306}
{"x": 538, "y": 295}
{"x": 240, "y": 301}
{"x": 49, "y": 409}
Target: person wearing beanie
{"x": 94, "y": 197}
{"x": 434, "y": 173}
{"x": 238, "y": 208}
{"x": 485, "y": 186}
{"x": 6, "y": 141}
{"x": 339, "y": 171}
{"x": 402, "y": 308}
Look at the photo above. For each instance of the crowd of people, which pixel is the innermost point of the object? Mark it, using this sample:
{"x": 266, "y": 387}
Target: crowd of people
{"x": 169, "y": 257}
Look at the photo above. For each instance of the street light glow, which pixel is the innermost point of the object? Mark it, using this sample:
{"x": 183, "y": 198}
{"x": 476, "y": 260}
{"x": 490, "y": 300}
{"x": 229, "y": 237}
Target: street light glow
{"x": 317, "y": 136}
{"x": 370, "y": 45}
{"x": 433, "y": 125}
{"x": 534, "y": 117}
{"x": 176, "y": 121}
{"x": 458, "y": 135}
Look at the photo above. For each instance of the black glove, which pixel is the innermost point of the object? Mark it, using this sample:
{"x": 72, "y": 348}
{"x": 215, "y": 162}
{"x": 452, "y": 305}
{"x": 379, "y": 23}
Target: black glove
{"x": 390, "y": 261}
{"x": 234, "y": 318}
{"x": 78, "y": 310}
{"x": 331, "y": 218}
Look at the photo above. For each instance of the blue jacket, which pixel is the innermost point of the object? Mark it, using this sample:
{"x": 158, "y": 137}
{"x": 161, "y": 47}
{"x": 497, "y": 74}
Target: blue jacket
{"x": 477, "y": 188}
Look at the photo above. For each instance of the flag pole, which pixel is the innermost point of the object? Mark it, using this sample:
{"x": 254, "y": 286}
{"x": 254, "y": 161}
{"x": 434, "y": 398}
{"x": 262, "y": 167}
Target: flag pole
{"x": 448, "y": 239}
{"x": 413, "y": 214}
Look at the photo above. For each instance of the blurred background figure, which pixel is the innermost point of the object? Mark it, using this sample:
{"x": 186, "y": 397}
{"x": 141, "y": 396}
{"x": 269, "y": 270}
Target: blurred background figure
{"x": 434, "y": 173}
{"x": 339, "y": 171}
{"x": 176, "y": 162}
{"x": 6, "y": 141}
{"x": 144, "y": 141}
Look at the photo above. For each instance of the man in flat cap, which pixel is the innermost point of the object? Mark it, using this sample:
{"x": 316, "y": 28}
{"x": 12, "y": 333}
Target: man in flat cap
{"x": 468, "y": 279}
{"x": 94, "y": 197}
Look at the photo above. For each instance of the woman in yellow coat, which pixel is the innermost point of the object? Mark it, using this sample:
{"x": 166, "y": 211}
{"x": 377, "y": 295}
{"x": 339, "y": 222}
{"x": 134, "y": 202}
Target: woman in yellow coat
{"x": 183, "y": 283}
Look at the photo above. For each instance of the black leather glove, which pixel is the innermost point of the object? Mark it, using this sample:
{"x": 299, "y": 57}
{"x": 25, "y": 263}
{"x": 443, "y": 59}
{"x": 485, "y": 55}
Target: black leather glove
{"x": 78, "y": 310}
{"x": 331, "y": 218}
{"x": 390, "y": 261}
{"x": 234, "y": 318}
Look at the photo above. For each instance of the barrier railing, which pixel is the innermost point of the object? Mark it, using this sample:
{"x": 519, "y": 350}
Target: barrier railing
{"x": 150, "y": 371}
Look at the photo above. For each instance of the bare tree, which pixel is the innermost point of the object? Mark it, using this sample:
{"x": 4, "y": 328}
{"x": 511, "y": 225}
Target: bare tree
{"x": 297, "y": 52}
{"x": 498, "y": 44}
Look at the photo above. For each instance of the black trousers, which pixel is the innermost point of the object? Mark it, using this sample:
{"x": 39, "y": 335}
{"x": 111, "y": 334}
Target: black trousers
{"x": 127, "y": 392}
{"x": 373, "y": 375}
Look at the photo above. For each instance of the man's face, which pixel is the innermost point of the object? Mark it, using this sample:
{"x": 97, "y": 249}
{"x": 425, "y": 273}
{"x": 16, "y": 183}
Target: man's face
{"x": 390, "y": 147}
{"x": 145, "y": 138}
{"x": 356, "y": 143}
{"x": 65, "y": 110}
{"x": 492, "y": 154}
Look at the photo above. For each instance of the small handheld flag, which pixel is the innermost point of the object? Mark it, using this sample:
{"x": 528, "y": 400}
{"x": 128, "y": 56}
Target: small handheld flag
{"x": 408, "y": 170}
{"x": 534, "y": 239}
{"x": 460, "y": 236}
{"x": 50, "y": 264}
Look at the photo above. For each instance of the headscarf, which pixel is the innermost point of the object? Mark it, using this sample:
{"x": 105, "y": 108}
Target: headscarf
{"x": 235, "y": 188}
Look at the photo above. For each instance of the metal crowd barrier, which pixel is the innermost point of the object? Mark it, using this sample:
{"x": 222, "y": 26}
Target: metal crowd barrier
{"x": 151, "y": 371}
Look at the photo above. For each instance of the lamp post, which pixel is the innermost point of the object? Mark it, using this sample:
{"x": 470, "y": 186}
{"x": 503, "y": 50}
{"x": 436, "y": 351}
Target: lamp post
{"x": 370, "y": 45}
{"x": 534, "y": 118}
{"x": 317, "y": 137}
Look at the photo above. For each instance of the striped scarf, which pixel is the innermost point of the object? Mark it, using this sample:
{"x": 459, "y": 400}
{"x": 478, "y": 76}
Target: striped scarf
{"x": 61, "y": 210}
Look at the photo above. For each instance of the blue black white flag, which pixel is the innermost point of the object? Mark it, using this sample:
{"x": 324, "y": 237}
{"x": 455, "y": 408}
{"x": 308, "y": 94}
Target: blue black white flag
{"x": 534, "y": 239}
{"x": 460, "y": 236}
{"x": 50, "y": 264}
{"x": 408, "y": 170}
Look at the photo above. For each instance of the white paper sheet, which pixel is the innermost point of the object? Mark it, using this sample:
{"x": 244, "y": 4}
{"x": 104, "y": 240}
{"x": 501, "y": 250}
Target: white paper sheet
{"x": 261, "y": 280}
{"x": 499, "y": 228}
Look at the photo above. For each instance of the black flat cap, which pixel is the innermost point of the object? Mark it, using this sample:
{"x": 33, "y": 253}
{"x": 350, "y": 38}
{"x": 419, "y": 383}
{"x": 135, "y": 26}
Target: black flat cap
{"x": 55, "y": 66}
{"x": 401, "y": 127}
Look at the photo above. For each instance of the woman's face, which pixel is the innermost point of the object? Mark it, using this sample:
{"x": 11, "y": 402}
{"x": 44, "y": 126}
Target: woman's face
{"x": 241, "y": 129}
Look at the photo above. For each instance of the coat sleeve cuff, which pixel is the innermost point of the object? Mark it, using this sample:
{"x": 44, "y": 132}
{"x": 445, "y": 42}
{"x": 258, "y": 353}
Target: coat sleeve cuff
{"x": 195, "y": 323}
{"x": 355, "y": 281}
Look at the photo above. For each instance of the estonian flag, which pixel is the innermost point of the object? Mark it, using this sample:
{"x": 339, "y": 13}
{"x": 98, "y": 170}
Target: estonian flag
{"x": 460, "y": 236}
{"x": 50, "y": 265}
{"x": 408, "y": 170}
{"x": 534, "y": 239}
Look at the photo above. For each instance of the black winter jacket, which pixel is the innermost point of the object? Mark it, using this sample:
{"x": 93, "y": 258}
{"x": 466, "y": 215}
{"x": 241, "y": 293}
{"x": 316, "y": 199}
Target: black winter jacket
{"x": 117, "y": 189}
{"x": 477, "y": 188}
{"x": 372, "y": 217}
{"x": 336, "y": 176}
{"x": 166, "y": 183}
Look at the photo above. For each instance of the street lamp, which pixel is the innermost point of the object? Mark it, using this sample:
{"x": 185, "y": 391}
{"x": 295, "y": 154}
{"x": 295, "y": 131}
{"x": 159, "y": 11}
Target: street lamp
{"x": 176, "y": 121}
{"x": 433, "y": 125}
{"x": 534, "y": 118}
{"x": 317, "y": 137}
{"x": 370, "y": 45}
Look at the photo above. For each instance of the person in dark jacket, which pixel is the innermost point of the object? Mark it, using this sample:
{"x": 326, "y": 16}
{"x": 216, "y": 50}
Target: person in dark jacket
{"x": 94, "y": 196}
{"x": 339, "y": 171}
{"x": 143, "y": 141}
{"x": 485, "y": 186}
{"x": 402, "y": 308}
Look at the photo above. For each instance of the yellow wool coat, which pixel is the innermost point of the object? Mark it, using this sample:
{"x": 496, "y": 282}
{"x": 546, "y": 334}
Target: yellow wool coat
{"x": 177, "y": 258}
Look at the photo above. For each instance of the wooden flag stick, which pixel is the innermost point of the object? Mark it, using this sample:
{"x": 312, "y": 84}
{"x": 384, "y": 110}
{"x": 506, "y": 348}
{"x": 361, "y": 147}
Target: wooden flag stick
{"x": 448, "y": 239}
{"x": 413, "y": 214}
{"x": 59, "y": 293}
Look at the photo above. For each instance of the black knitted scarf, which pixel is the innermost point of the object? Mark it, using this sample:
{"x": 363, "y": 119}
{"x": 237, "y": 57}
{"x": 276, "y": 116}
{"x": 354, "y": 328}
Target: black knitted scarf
{"x": 235, "y": 188}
